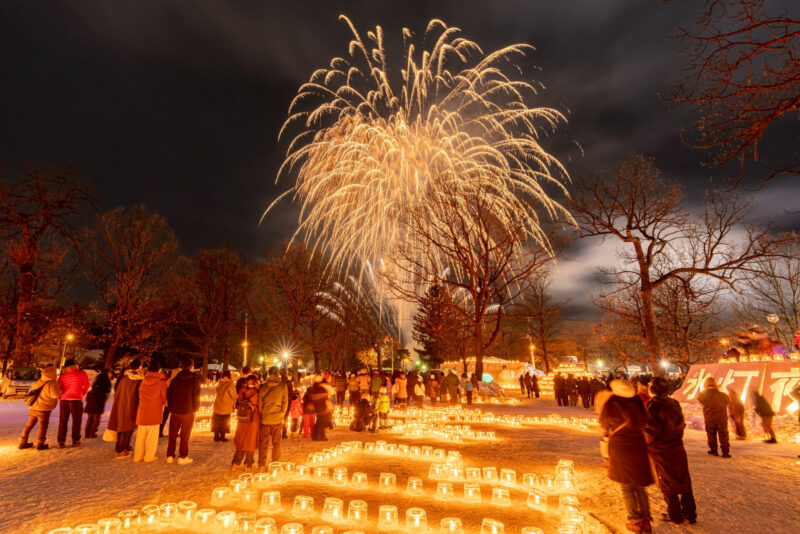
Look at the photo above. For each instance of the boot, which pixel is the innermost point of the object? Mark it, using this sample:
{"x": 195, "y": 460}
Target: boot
{"x": 25, "y": 445}
{"x": 646, "y": 526}
{"x": 634, "y": 525}
{"x": 42, "y": 447}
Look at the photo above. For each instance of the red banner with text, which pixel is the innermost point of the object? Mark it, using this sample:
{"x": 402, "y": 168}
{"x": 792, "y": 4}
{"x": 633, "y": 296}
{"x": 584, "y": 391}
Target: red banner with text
{"x": 773, "y": 379}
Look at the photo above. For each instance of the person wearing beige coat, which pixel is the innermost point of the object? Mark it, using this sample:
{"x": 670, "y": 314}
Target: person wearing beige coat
{"x": 39, "y": 411}
{"x": 224, "y": 404}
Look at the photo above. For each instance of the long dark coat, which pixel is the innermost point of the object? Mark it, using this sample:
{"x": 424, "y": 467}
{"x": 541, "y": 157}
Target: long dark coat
{"x": 627, "y": 451}
{"x": 97, "y": 396}
{"x": 246, "y": 438}
{"x": 663, "y": 433}
{"x": 126, "y": 402}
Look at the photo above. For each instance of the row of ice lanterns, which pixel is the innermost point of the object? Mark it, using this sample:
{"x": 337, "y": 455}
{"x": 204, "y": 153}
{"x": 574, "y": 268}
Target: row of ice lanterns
{"x": 173, "y": 517}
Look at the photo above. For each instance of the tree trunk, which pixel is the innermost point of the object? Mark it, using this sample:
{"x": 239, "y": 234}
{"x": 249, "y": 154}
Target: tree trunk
{"x": 478, "y": 348}
{"x": 545, "y": 357}
{"x": 650, "y": 332}
{"x": 226, "y": 358}
{"x": 108, "y": 358}
{"x": 23, "y": 348}
{"x": 204, "y": 367}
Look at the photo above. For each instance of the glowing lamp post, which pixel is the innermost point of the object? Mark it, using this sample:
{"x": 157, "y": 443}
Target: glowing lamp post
{"x": 67, "y": 339}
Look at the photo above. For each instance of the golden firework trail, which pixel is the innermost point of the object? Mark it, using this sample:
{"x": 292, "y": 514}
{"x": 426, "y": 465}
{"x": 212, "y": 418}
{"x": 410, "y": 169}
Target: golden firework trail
{"x": 371, "y": 147}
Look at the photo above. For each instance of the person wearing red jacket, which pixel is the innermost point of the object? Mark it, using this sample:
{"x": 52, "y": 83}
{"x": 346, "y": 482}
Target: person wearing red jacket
{"x": 74, "y": 384}
{"x": 152, "y": 398}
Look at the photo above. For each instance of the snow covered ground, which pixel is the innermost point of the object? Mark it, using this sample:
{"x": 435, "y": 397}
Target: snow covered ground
{"x": 754, "y": 492}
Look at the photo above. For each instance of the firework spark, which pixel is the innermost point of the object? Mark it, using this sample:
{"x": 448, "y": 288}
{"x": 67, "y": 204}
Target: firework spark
{"x": 372, "y": 147}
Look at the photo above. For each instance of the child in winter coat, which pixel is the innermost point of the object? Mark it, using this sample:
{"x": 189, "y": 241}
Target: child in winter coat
{"x": 296, "y": 412}
{"x": 382, "y": 407}
{"x": 40, "y": 408}
{"x": 469, "y": 387}
{"x": 247, "y": 435}
{"x": 309, "y": 416}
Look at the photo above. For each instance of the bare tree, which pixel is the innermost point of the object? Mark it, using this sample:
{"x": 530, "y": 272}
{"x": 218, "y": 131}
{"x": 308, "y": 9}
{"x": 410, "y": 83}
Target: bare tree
{"x": 662, "y": 240}
{"x": 461, "y": 246}
{"x": 544, "y": 315}
{"x": 775, "y": 288}
{"x": 288, "y": 294}
{"x": 580, "y": 335}
{"x": 213, "y": 287}
{"x": 743, "y": 78}
{"x": 37, "y": 224}
{"x": 131, "y": 254}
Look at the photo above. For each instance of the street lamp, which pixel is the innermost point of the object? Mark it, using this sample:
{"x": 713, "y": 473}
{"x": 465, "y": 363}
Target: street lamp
{"x": 67, "y": 339}
{"x": 772, "y": 318}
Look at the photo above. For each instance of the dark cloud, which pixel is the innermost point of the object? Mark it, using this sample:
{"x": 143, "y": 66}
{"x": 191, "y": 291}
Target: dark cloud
{"x": 177, "y": 104}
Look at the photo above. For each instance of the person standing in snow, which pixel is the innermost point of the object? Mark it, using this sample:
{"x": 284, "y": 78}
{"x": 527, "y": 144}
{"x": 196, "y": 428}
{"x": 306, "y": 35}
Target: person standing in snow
{"x": 39, "y": 409}
{"x": 560, "y": 390}
{"x": 737, "y": 415}
{"x": 382, "y": 406}
{"x": 766, "y": 413}
{"x": 340, "y": 385}
{"x": 715, "y": 415}
{"x": 247, "y": 434}
{"x": 585, "y": 391}
{"x": 96, "y": 402}
{"x": 122, "y": 418}
{"x": 353, "y": 390}
{"x": 164, "y": 418}
{"x": 400, "y": 391}
{"x": 273, "y": 402}
{"x": 468, "y": 388}
{"x": 623, "y": 417}
{"x": 322, "y": 408}
{"x": 223, "y": 407}
{"x": 523, "y": 386}
{"x": 183, "y": 395}
{"x": 74, "y": 384}
{"x": 451, "y": 384}
{"x": 152, "y": 398}
{"x": 663, "y": 433}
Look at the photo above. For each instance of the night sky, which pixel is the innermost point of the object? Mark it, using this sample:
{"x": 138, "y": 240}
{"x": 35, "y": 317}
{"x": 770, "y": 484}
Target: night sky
{"x": 177, "y": 104}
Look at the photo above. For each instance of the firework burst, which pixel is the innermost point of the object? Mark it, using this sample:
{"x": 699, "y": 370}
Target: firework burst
{"x": 371, "y": 147}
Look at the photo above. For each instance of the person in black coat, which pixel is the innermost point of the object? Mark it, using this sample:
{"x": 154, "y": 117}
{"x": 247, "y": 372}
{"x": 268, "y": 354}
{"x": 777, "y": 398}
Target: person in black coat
{"x": 364, "y": 417}
{"x": 183, "y": 396}
{"x": 663, "y": 433}
{"x": 585, "y": 391}
{"x": 560, "y": 390}
{"x": 715, "y": 415}
{"x": 622, "y": 417}
{"x": 96, "y": 402}
{"x": 535, "y": 385}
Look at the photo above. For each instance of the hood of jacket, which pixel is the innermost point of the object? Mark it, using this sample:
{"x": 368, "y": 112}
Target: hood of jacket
{"x": 151, "y": 377}
{"x": 134, "y": 374}
{"x": 49, "y": 373}
{"x": 622, "y": 388}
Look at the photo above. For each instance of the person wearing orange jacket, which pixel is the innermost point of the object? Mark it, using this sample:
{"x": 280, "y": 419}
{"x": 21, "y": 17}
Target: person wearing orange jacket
{"x": 152, "y": 398}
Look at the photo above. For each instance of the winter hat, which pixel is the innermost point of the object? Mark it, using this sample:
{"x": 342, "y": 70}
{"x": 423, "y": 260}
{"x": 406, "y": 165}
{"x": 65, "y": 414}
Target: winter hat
{"x": 69, "y": 363}
{"x": 710, "y": 383}
{"x": 383, "y": 390}
{"x": 49, "y": 372}
{"x": 622, "y": 388}
{"x": 659, "y": 386}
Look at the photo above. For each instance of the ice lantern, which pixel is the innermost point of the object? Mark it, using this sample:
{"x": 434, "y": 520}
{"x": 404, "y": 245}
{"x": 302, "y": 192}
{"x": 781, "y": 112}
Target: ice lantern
{"x": 357, "y": 512}
{"x": 387, "y": 518}
{"x": 270, "y": 502}
{"x": 333, "y": 510}
{"x": 303, "y": 506}
{"x": 416, "y": 521}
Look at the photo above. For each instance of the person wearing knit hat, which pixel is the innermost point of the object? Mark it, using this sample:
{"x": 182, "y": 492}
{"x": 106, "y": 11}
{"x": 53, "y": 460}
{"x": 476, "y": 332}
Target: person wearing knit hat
{"x": 623, "y": 417}
{"x": 663, "y": 433}
{"x": 42, "y": 400}
{"x": 716, "y": 405}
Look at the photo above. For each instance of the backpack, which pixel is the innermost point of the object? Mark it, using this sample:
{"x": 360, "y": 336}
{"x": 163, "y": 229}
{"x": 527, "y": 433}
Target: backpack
{"x": 244, "y": 411}
{"x": 33, "y": 395}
